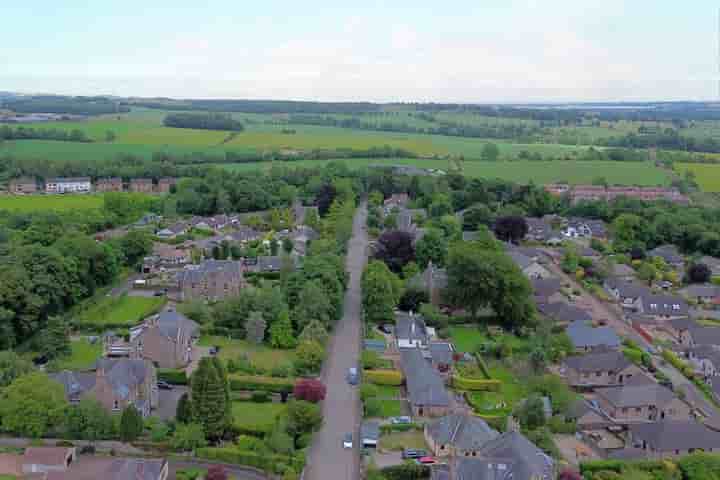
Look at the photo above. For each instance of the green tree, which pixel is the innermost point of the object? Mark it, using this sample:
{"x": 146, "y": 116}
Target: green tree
{"x": 209, "y": 398}
{"x": 314, "y": 332}
{"x": 647, "y": 273}
{"x": 490, "y": 152}
{"x": 255, "y": 328}
{"x": 432, "y": 247}
{"x": 281, "y": 332}
{"x": 184, "y": 410}
{"x": 303, "y": 417}
{"x": 55, "y": 339}
{"x": 136, "y": 245}
{"x": 629, "y": 231}
{"x": 188, "y": 437}
{"x": 131, "y": 424}
{"x": 531, "y": 413}
{"x": 88, "y": 420}
{"x": 110, "y": 136}
{"x": 12, "y": 366}
{"x": 309, "y": 357}
{"x": 315, "y": 305}
{"x": 32, "y": 405}
{"x": 381, "y": 291}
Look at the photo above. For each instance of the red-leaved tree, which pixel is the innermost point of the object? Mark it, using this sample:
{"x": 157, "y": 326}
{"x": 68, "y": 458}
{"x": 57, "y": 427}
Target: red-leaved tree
{"x": 568, "y": 474}
{"x": 216, "y": 472}
{"x": 310, "y": 390}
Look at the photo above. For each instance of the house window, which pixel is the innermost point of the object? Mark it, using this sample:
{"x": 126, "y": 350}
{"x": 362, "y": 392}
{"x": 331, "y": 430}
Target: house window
{"x": 116, "y": 405}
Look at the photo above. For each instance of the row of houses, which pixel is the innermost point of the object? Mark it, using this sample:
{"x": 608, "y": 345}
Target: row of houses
{"x": 579, "y": 193}
{"x": 553, "y": 229}
{"x": 30, "y": 185}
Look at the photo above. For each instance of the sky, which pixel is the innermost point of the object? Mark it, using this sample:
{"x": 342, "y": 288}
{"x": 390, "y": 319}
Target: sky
{"x": 384, "y": 51}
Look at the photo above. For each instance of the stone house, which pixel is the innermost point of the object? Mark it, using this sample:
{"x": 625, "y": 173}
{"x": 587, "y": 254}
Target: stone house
{"x": 211, "y": 280}
{"x": 141, "y": 185}
{"x": 647, "y": 402}
{"x": 587, "y": 416}
{"x": 586, "y": 338}
{"x": 530, "y": 268}
{"x": 427, "y": 394}
{"x": 563, "y": 313}
{"x": 672, "y": 438}
{"x": 599, "y": 369}
{"x": 111, "y": 184}
{"x": 23, "y": 185}
{"x": 167, "y": 340}
{"x": 165, "y": 184}
{"x": 458, "y": 435}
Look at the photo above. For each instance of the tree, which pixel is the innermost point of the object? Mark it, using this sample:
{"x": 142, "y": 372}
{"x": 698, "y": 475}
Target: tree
{"x": 12, "y": 366}
{"x": 432, "y": 247}
{"x": 209, "y": 392}
{"x": 287, "y": 245}
{"x": 511, "y": 228}
{"x": 531, "y": 413}
{"x": 314, "y": 305}
{"x": 412, "y": 298}
{"x": 325, "y": 198}
{"x": 629, "y": 231}
{"x": 281, "y": 332}
{"x": 188, "y": 437}
{"x": 314, "y": 332}
{"x": 131, "y": 424}
{"x": 135, "y": 246}
{"x": 568, "y": 474}
{"x": 395, "y": 248}
{"x": 31, "y": 405}
{"x": 490, "y": 152}
{"x": 381, "y": 290}
{"x": 184, "y": 410}
{"x": 55, "y": 339}
{"x": 310, "y": 390}
{"x": 647, "y": 273}
{"x": 255, "y": 328}
{"x": 699, "y": 273}
{"x": 88, "y": 420}
{"x": 538, "y": 359}
{"x": 303, "y": 417}
{"x": 476, "y": 216}
{"x": 218, "y": 472}
{"x": 309, "y": 357}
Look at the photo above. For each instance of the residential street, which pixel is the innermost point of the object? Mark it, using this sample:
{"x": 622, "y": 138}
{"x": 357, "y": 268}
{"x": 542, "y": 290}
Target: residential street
{"x": 341, "y": 408}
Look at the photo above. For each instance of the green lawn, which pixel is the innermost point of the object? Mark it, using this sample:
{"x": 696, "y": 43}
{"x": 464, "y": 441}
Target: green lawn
{"x": 387, "y": 391}
{"x": 257, "y": 416}
{"x": 390, "y": 408}
{"x": 403, "y": 440}
{"x": 30, "y": 203}
{"x": 707, "y": 175}
{"x": 118, "y": 312}
{"x": 467, "y": 339}
{"x": 261, "y": 355}
{"x": 84, "y": 354}
{"x": 511, "y": 392}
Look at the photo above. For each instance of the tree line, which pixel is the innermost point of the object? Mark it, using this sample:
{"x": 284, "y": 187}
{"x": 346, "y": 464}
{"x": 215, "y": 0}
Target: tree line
{"x": 63, "y": 104}
{"x": 28, "y": 133}
{"x": 203, "y": 121}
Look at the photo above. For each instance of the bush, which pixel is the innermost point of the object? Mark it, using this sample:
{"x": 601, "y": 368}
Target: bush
{"x": 268, "y": 463}
{"x": 172, "y": 376}
{"x": 401, "y": 427}
{"x": 384, "y": 377}
{"x": 269, "y": 384}
{"x": 260, "y": 396}
{"x": 700, "y": 466}
{"x": 557, "y": 424}
{"x": 64, "y": 443}
{"x": 406, "y": 471}
{"x": 370, "y": 360}
{"x": 474, "y": 385}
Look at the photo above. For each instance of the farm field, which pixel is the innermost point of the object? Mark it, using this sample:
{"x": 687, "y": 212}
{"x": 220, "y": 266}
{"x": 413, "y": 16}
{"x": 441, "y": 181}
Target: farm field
{"x": 257, "y": 416}
{"x": 31, "y": 203}
{"x": 707, "y": 175}
{"x": 521, "y": 171}
{"x": 112, "y": 312}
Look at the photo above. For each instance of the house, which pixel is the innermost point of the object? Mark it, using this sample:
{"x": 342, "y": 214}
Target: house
{"x": 628, "y": 294}
{"x": 670, "y": 254}
{"x": 47, "y": 459}
{"x": 173, "y": 231}
{"x": 662, "y": 307}
{"x": 589, "y": 253}
{"x": 701, "y": 293}
{"x": 713, "y": 263}
{"x": 23, "y": 185}
{"x": 434, "y": 281}
{"x": 705, "y": 359}
{"x": 530, "y": 268}
{"x": 369, "y": 434}
{"x": 622, "y": 272}
{"x": 584, "y": 228}
{"x": 585, "y": 337}
{"x": 509, "y": 456}
{"x": 169, "y": 256}
{"x": 680, "y": 328}
{"x": 68, "y": 185}
{"x": 115, "y": 383}
{"x": 243, "y": 235}
{"x": 165, "y": 184}
{"x": 647, "y": 402}
{"x": 538, "y": 229}
{"x": 211, "y": 280}
{"x": 441, "y": 355}
{"x": 396, "y": 200}
{"x": 564, "y": 313}
{"x": 427, "y": 394}
{"x": 672, "y": 438}
{"x": 700, "y": 335}
{"x": 137, "y": 469}
{"x": 599, "y": 369}
{"x": 166, "y": 340}
{"x": 269, "y": 264}
{"x": 458, "y": 435}
{"x": 410, "y": 330}
{"x": 587, "y": 416}
{"x": 111, "y": 184}
{"x": 301, "y": 238}
{"x": 547, "y": 290}
{"x": 141, "y": 185}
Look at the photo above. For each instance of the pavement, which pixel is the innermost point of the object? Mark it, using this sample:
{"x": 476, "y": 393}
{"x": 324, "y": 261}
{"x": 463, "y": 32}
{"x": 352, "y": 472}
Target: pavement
{"x": 341, "y": 408}
{"x": 167, "y": 402}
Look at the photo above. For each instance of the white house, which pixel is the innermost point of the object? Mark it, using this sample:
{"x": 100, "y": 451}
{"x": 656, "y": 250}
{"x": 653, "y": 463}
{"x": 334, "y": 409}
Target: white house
{"x": 68, "y": 185}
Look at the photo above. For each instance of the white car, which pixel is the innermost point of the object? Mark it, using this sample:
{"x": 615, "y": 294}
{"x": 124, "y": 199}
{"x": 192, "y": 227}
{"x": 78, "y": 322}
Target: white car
{"x": 348, "y": 441}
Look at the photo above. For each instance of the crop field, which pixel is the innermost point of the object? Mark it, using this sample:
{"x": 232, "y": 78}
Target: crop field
{"x": 31, "y": 203}
{"x": 521, "y": 171}
{"x": 707, "y": 175}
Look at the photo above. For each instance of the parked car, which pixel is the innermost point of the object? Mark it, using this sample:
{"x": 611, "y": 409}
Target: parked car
{"x": 413, "y": 453}
{"x": 214, "y": 350}
{"x": 163, "y": 385}
{"x": 387, "y": 328}
{"x": 400, "y": 420}
{"x": 348, "y": 441}
{"x": 426, "y": 460}
{"x": 353, "y": 377}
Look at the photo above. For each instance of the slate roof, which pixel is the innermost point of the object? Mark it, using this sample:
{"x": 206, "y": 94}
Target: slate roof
{"x": 705, "y": 335}
{"x": 441, "y": 352}
{"x": 588, "y": 252}
{"x": 228, "y": 268}
{"x": 269, "y": 263}
{"x": 564, "y": 312}
{"x": 523, "y": 458}
{"x": 370, "y": 430}
{"x": 707, "y": 352}
{"x": 545, "y": 287}
{"x": 591, "y": 362}
{"x": 583, "y": 335}
{"x": 171, "y": 323}
{"x": 75, "y": 383}
{"x": 465, "y": 432}
{"x": 627, "y": 289}
{"x": 664, "y": 305}
{"x": 424, "y": 385}
{"x": 45, "y": 456}
{"x": 123, "y": 373}
{"x": 669, "y": 253}
{"x": 410, "y": 327}
{"x": 520, "y": 259}
{"x": 672, "y": 435}
{"x": 244, "y": 234}
{"x": 637, "y": 395}
{"x": 135, "y": 469}
{"x": 622, "y": 270}
{"x": 701, "y": 290}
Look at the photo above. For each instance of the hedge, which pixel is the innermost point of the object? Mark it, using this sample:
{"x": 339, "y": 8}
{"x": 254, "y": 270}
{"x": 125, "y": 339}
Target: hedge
{"x": 587, "y": 469}
{"x": 268, "y": 384}
{"x": 673, "y": 360}
{"x": 483, "y": 367}
{"x": 406, "y": 471}
{"x": 476, "y": 385}
{"x": 400, "y": 427}
{"x": 384, "y": 377}
{"x": 266, "y": 462}
{"x": 172, "y": 376}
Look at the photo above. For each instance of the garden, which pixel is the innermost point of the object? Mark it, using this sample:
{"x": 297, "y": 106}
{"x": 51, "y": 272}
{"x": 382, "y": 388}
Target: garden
{"x": 116, "y": 312}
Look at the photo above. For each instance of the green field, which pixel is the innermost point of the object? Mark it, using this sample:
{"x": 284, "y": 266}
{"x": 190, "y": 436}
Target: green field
{"x": 83, "y": 355}
{"x": 116, "y": 312}
{"x": 257, "y": 416}
{"x": 707, "y": 175}
{"x": 260, "y": 355}
{"x": 31, "y": 203}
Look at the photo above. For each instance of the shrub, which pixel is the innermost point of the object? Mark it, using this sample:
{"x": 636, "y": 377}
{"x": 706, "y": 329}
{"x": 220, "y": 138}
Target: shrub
{"x": 309, "y": 389}
{"x": 471, "y": 384}
{"x": 700, "y": 466}
{"x": 172, "y": 376}
{"x": 265, "y": 462}
{"x": 384, "y": 377}
{"x": 406, "y": 471}
{"x": 260, "y": 396}
{"x": 401, "y": 427}
{"x": 370, "y": 360}
{"x": 557, "y": 424}
{"x": 270, "y": 384}
{"x": 367, "y": 391}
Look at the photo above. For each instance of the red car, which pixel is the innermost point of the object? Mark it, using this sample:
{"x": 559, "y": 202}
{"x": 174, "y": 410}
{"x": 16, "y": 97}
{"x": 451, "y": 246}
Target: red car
{"x": 426, "y": 460}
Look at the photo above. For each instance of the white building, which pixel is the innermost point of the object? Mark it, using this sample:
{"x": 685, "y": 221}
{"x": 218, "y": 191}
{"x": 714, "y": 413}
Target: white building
{"x": 68, "y": 185}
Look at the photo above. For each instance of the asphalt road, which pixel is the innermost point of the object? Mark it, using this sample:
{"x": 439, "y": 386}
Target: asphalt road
{"x": 328, "y": 460}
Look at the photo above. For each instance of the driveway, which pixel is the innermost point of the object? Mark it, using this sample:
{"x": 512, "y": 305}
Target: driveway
{"x": 167, "y": 402}
{"x": 341, "y": 408}
{"x": 235, "y": 471}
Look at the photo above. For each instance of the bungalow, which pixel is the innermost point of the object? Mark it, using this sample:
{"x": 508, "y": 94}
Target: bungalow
{"x": 670, "y": 254}
{"x": 547, "y": 290}
{"x": 587, "y": 416}
{"x": 599, "y": 369}
{"x": 672, "y": 438}
{"x": 648, "y": 402}
{"x": 662, "y": 307}
{"x": 458, "y": 435}
{"x": 530, "y": 268}
{"x": 564, "y": 313}
{"x": 136, "y": 469}
{"x": 23, "y": 185}
{"x": 628, "y": 294}
{"x": 427, "y": 394}
{"x": 586, "y": 338}
{"x": 410, "y": 330}
{"x": 589, "y": 253}
{"x": 43, "y": 460}
{"x": 112, "y": 184}
{"x": 701, "y": 293}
